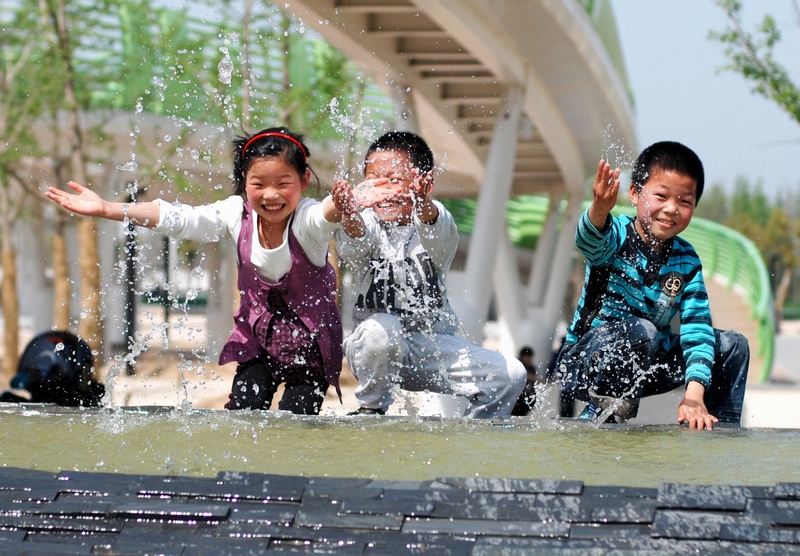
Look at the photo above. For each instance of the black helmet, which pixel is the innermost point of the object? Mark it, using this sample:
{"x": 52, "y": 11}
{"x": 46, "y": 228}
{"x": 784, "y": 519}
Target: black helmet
{"x": 56, "y": 367}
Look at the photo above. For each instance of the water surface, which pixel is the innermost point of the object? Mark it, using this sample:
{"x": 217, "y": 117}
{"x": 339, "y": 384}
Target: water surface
{"x": 204, "y": 442}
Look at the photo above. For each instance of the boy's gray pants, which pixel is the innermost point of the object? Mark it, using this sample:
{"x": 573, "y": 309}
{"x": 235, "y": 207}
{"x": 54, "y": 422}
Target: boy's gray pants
{"x": 381, "y": 353}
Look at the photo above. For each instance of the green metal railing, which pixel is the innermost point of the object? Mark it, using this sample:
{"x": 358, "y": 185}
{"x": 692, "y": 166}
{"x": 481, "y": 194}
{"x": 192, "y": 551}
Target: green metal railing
{"x": 732, "y": 256}
{"x": 725, "y": 253}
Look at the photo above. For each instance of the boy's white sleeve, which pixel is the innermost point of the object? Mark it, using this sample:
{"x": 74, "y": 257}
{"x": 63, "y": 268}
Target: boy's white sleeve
{"x": 357, "y": 251}
{"x": 439, "y": 239}
{"x": 203, "y": 224}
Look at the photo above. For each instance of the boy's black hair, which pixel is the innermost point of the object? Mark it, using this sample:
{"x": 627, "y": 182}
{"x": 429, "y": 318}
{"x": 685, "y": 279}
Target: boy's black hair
{"x": 415, "y": 146}
{"x": 290, "y": 148}
{"x": 668, "y": 155}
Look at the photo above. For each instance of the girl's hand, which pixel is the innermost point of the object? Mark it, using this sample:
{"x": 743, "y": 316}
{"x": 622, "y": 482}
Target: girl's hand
{"x": 349, "y": 210}
{"x": 343, "y": 198}
{"x": 85, "y": 202}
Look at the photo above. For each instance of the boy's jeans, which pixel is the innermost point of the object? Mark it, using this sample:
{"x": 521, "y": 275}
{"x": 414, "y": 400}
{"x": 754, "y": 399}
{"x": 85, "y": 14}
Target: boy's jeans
{"x": 382, "y": 353}
{"x": 619, "y": 360}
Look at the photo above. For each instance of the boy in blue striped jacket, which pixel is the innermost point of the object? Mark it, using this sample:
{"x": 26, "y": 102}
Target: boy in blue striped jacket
{"x": 621, "y": 345}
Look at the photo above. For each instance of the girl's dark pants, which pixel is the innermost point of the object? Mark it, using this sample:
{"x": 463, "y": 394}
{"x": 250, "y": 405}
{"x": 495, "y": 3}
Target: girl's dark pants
{"x": 254, "y": 386}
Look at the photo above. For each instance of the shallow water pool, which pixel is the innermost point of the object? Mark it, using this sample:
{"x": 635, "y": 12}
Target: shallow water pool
{"x": 202, "y": 443}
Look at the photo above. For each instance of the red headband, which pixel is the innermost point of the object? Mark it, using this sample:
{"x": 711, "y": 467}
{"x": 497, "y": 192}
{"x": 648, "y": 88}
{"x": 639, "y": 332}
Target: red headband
{"x": 275, "y": 134}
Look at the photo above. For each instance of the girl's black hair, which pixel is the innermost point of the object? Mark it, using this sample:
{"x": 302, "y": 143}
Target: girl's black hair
{"x": 668, "y": 156}
{"x": 404, "y": 141}
{"x": 269, "y": 142}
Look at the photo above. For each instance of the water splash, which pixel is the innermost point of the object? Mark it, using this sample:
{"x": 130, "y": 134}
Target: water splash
{"x": 225, "y": 66}
{"x": 615, "y": 151}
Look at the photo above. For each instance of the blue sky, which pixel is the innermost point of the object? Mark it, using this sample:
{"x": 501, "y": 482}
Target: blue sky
{"x": 681, "y": 94}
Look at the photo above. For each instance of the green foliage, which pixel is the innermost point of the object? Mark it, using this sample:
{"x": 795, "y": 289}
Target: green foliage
{"x": 766, "y": 222}
{"x": 714, "y": 204}
{"x": 750, "y": 201}
{"x": 144, "y": 56}
{"x": 30, "y": 82}
{"x": 751, "y": 55}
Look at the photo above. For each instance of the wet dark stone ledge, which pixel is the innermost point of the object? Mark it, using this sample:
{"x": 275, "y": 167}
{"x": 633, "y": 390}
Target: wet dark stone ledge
{"x": 74, "y": 512}
{"x": 115, "y": 514}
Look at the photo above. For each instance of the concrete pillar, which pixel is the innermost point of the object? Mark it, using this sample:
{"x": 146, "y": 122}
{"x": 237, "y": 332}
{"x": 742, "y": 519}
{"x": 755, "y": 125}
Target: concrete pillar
{"x": 560, "y": 270}
{"x": 222, "y": 297}
{"x": 407, "y": 119}
{"x": 490, "y": 227}
{"x": 509, "y": 294}
{"x": 35, "y": 311}
{"x": 540, "y": 270}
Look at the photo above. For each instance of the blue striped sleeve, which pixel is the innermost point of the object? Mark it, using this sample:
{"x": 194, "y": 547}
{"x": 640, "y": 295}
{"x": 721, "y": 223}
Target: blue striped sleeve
{"x": 598, "y": 247}
{"x": 697, "y": 333}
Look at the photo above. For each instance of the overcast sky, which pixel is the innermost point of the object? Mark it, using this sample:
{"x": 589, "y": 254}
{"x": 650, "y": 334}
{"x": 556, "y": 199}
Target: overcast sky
{"x": 681, "y": 94}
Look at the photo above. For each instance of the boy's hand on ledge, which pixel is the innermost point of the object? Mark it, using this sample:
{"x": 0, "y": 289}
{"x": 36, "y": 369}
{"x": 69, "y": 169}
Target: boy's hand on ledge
{"x": 692, "y": 409}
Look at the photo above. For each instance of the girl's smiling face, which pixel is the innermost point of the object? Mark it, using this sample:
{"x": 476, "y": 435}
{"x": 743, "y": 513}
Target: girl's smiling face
{"x": 274, "y": 189}
{"x": 664, "y": 206}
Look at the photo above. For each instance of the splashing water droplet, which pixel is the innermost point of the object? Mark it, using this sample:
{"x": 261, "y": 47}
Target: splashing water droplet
{"x": 225, "y": 66}
{"x": 129, "y": 166}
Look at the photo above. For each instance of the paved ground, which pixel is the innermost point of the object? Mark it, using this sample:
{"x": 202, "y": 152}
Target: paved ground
{"x": 178, "y": 375}
{"x": 177, "y": 372}
{"x": 75, "y": 512}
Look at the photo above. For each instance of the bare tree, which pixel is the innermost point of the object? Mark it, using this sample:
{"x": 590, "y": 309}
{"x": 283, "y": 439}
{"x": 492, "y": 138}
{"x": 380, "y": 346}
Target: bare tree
{"x": 17, "y": 112}
{"x": 752, "y": 56}
{"x": 90, "y": 327}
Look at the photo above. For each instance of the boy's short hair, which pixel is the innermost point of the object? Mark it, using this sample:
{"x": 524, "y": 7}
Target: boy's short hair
{"x": 668, "y": 155}
{"x": 415, "y": 146}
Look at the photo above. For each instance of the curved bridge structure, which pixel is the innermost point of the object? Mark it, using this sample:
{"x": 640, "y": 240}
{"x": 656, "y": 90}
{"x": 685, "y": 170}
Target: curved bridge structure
{"x": 515, "y": 98}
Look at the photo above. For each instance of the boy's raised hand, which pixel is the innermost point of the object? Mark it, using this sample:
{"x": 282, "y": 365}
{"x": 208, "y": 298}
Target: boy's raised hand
{"x": 368, "y": 193}
{"x": 604, "y": 194}
{"x": 421, "y": 186}
{"x": 85, "y": 202}
{"x": 420, "y": 190}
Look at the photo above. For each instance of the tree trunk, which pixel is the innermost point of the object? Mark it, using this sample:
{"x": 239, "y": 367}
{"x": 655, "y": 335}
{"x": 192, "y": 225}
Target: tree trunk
{"x": 8, "y": 295}
{"x": 61, "y": 282}
{"x": 781, "y": 292}
{"x": 247, "y": 105}
{"x": 90, "y": 328}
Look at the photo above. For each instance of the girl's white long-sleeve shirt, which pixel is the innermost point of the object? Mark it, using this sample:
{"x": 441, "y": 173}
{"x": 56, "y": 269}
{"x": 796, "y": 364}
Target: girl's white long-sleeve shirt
{"x": 223, "y": 220}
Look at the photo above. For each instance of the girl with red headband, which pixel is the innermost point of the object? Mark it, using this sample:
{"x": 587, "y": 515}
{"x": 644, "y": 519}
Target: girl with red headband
{"x": 288, "y": 329}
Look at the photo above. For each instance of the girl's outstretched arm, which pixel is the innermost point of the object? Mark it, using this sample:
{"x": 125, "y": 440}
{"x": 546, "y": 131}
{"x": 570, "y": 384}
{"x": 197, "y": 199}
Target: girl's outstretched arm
{"x": 348, "y": 210}
{"x": 88, "y": 203}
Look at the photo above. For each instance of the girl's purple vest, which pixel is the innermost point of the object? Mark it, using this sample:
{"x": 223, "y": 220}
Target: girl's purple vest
{"x": 309, "y": 290}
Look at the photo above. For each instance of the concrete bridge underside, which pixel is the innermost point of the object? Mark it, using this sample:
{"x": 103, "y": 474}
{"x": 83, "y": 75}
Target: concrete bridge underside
{"x": 514, "y": 98}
